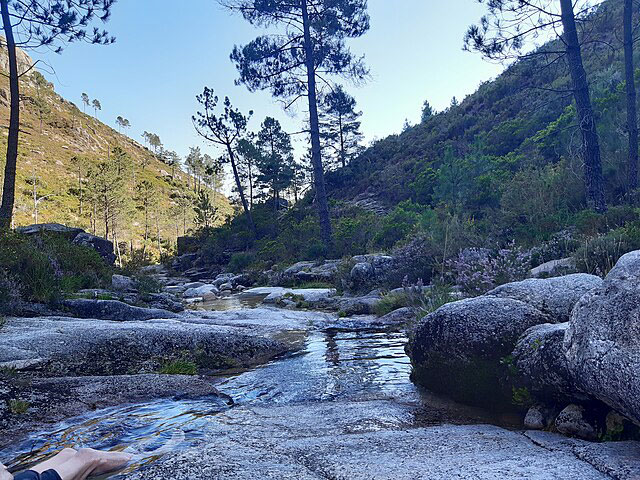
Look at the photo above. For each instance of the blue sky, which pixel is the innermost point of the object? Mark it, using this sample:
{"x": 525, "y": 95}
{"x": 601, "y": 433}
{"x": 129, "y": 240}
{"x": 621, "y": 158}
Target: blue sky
{"x": 167, "y": 51}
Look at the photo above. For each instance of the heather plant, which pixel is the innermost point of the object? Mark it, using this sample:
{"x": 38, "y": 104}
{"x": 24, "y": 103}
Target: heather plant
{"x": 478, "y": 270}
{"x": 561, "y": 245}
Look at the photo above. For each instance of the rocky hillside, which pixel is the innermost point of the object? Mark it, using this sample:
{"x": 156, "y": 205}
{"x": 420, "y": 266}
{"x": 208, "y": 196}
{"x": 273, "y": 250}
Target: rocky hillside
{"x": 53, "y": 131}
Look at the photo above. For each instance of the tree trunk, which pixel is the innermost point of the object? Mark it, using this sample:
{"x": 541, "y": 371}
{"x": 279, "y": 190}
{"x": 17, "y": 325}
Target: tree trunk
{"x": 158, "y": 234}
{"x": 243, "y": 199}
{"x": 316, "y": 149}
{"x": 342, "y": 148}
{"x": 590, "y": 142}
{"x": 250, "y": 185}
{"x": 9, "y": 185}
{"x": 632, "y": 119}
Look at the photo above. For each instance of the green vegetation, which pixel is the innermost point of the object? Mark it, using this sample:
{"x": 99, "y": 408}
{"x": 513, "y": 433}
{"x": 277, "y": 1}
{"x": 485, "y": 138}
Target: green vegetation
{"x": 179, "y": 367}
{"x": 43, "y": 268}
{"x": 499, "y": 172}
{"x": 391, "y": 302}
{"x": 18, "y": 407}
{"x": 76, "y": 149}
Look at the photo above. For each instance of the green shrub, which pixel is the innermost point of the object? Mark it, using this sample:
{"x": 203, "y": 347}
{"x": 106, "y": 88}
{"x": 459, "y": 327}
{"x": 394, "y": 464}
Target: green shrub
{"x": 18, "y": 407}
{"x": 44, "y": 267}
{"x": 147, "y": 284}
{"x": 599, "y": 254}
{"x": 391, "y": 302}
{"x": 240, "y": 261}
{"x": 179, "y": 367}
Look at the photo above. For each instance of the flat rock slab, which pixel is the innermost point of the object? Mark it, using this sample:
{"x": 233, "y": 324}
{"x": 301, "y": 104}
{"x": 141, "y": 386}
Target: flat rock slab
{"x": 51, "y": 400}
{"x": 60, "y": 346}
{"x": 113, "y": 310}
{"x": 321, "y": 441}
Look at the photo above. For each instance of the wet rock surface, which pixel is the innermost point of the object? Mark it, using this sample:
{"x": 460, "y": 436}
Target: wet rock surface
{"x": 340, "y": 406}
{"x": 365, "y": 440}
{"x": 51, "y": 400}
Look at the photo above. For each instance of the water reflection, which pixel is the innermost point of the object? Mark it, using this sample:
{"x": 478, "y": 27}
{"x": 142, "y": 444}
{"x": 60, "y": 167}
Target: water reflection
{"x": 334, "y": 365}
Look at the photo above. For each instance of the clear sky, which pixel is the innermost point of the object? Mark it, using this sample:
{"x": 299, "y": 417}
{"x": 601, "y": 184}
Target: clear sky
{"x": 167, "y": 51}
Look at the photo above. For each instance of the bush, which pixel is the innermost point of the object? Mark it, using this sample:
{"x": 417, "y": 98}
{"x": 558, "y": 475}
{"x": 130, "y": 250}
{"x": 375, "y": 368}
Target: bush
{"x": 478, "y": 270}
{"x": 44, "y": 267}
{"x": 179, "y": 367}
{"x": 599, "y": 254}
{"x": 391, "y": 302}
{"x": 240, "y": 261}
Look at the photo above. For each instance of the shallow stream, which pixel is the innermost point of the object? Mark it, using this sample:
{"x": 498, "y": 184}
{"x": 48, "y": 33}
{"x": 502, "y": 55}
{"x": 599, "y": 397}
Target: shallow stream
{"x": 334, "y": 365}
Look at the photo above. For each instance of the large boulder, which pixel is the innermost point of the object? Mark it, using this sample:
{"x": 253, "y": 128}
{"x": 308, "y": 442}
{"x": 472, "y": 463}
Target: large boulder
{"x": 36, "y": 229}
{"x": 59, "y": 346}
{"x": 542, "y": 366}
{"x": 369, "y": 269}
{"x": 306, "y": 296}
{"x": 462, "y": 348}
{"x": 554, "y": 296}
{"x": 202, "y": 291}
{"x": 113, "y": 310}
{"x": 122, "y": 283}
{"x": 602, "y": 344}
{"x": 101, "y": 245}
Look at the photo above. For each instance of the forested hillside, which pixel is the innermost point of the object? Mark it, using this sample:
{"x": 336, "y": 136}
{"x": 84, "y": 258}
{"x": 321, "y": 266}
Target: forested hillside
{"x": 474, "y": 157}
{"x": 76, "y": 170}
{"x": 502, "y": 168}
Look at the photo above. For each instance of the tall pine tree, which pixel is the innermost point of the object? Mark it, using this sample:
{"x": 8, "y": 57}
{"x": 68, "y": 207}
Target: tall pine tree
{"x": 224, "y": 129}
{"x": 341, "y": 126}
{"x": 275, "y": 162}
{"x": 310, "y": 45}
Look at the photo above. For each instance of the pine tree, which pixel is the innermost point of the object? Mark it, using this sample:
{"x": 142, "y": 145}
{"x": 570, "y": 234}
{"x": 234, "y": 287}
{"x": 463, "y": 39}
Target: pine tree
{"x": 224, "y": 129}
{"x": 310, "y": 42}
{"x": 145, "y": 192}
{"x": 205, "y": 211}
{"x": 427, "y": 111}
{"x": 248, "y": 158}
{"x": 503, "y": 34}
{"x": 31, "y": 25}
{"x": 275, "y": 162}
{"x": 341, "y": 126}
{"x": 95, "y": 103}
{"x": 105, "y": 191}
{"x": 85, "y": 102}
{"x": 632, "y": 110}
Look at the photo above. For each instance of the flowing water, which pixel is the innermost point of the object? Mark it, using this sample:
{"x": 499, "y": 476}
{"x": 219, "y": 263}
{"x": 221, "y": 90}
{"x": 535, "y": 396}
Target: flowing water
{"x": 333, "y": 365}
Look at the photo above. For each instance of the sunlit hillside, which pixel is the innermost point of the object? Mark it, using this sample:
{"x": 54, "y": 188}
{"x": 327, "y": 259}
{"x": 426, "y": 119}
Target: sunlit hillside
{"x": 53, "y": 132}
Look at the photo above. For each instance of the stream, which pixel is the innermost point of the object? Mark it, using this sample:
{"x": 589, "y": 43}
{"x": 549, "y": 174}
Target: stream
{"x": 333, "y": 365}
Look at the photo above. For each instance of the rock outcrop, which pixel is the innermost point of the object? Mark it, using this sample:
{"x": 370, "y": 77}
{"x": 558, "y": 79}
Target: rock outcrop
{"x": 554, "y": 296}
{"x": 75, "y": 235}
{"x": 113, "y": 310}
{"x": 460, "y": 349}
{"x": 542, "y": 366}
{"x": 602, "y": 343}
{"x": 60, "y": 346}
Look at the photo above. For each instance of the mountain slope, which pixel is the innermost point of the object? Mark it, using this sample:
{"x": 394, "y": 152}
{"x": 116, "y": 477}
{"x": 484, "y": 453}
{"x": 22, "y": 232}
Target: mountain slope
{"x": 502, "y": 119}
{"x": 53, "y": 131}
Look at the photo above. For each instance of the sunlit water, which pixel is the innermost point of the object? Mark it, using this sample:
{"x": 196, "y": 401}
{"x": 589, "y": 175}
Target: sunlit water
{"x": 333, "y": 365}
